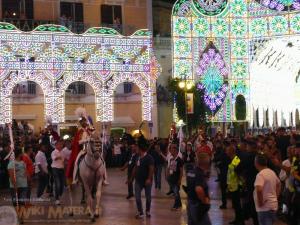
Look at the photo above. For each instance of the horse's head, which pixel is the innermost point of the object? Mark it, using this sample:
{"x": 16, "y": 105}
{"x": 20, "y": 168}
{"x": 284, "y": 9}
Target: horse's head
{"x": 92, "y": 150}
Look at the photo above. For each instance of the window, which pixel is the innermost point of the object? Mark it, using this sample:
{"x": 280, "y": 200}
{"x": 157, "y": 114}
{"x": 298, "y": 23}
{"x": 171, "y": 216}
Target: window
{"x": 71, "y": 11}
{"x": 18, "y": 9}
{"x": 27, "y": 87}
{"x": 77, "y": 88}
{"x": 127, "y": 88}
{"x": 31, "y": 88}
{"x": 111, "y": 14}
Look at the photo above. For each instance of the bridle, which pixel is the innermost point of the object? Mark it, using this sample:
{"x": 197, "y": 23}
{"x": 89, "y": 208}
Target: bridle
{"x": 92, "y": 152}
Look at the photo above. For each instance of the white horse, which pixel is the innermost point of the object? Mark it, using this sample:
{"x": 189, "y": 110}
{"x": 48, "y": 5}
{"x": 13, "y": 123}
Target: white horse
{"x": 91, "y": 174}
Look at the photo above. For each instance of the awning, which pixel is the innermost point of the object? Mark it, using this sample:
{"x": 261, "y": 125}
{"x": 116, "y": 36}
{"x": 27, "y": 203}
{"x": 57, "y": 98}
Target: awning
{"x": 24, "y": 117}
{"x": 125, "y": 121}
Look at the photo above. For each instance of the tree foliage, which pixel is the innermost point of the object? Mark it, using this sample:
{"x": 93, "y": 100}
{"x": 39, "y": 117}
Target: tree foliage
{"x": 198, "y": 118}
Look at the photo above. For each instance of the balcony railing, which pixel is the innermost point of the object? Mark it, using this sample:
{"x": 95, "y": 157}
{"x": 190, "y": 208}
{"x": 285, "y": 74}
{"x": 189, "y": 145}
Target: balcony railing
{"x": 75, "y": 27}
{"x": 25, "y": 89}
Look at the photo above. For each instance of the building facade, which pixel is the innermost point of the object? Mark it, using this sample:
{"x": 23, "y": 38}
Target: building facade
{"x": 28, "y": 97}
{"x": 162, "y": 10}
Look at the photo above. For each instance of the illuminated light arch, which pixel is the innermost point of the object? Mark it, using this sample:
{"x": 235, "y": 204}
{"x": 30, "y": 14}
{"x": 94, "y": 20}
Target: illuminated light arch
{"x": 242, "y": 32}
{"x": 15, "y": 78}
{"x": 88, "y": 78}
{"x": 59, "y": 57}
{"x": 143, "y": 84}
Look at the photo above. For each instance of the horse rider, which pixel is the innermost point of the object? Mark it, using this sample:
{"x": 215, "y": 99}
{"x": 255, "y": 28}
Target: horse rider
{"x": 82, "y": 135}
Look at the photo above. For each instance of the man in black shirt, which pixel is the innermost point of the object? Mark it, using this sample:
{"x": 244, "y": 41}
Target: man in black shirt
{"x": 131, "y": 161}
{"x": 246, "y": 169}
{"x": 155, "y": 152}
{"x": 198, "y": 193}
{"x": 175, "y": 172}
{"x": 143, "y": 173}
{"x": 222, "y": 161}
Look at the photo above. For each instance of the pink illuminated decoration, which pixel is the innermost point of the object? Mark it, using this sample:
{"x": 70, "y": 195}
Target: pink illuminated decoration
{"x": 212, "y": 72}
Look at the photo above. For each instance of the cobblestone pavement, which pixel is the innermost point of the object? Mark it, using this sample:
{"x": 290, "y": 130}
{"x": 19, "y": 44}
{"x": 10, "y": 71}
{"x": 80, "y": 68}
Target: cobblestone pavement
{"x": 116, "y": 210}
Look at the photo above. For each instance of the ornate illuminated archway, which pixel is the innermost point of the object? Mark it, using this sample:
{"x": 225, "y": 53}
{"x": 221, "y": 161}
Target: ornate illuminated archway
{"x": 15, "y": 78}
{"x": 217, "y": 42}
{"x": 87, "y": 77}
{"x": 143, "y": 84}
{"x": 54, "y": 57}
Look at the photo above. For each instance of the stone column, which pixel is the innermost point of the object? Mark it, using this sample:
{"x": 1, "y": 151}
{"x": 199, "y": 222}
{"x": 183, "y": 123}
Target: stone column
{"x": 154, "y": 119}
{"x": 149, "y": 15}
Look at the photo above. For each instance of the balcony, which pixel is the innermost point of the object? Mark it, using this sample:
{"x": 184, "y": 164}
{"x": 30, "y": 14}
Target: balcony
{"x": 75, "y": 27}
{"x": 25, "y": 90}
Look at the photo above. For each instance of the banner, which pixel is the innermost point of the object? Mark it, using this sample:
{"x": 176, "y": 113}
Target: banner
{"x": 190, "y": 103}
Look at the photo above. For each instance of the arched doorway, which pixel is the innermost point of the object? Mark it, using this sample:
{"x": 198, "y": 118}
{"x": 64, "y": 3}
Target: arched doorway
{"x": 240, "y": 107}
{"x": 28, "y": 105}
{"x": 78, "y": 94}
{"x": 127, "y": 104}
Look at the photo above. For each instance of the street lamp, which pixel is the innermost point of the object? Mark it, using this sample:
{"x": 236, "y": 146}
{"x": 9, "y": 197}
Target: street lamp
{"x": 186, "y": 85}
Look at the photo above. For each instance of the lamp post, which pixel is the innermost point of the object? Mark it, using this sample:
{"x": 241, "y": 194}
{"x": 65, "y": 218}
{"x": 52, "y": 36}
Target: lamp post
{"x": 185, "y": 85}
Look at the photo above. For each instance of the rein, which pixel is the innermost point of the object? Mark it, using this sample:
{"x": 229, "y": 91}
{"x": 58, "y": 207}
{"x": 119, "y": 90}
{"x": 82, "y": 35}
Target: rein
{"x": 89, "y": 166}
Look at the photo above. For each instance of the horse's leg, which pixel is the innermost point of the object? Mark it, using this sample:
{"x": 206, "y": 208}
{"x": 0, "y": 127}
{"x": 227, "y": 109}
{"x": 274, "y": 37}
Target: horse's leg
{"x": 71, "y": 199}
{"x": 89, "y": 200}
{"x": 82, "y": 194}
{"x": 98, "y": 197}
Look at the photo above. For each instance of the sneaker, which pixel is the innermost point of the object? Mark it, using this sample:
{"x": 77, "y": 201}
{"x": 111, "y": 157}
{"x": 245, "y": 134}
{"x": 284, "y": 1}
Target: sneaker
{"x": 139, "y": 216}
{"x": 57, "y": 202}
{"x": 105, "y": 183}
{"x": 148, "y": 214}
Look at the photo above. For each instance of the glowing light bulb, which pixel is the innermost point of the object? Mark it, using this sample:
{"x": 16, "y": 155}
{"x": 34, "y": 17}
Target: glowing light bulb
{"x": 181, "y": 84}
{"x": 189, "y": 85}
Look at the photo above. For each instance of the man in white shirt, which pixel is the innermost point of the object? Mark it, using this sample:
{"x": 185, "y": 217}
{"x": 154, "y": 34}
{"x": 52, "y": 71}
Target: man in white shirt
{"x": 117, "y": 152}
{"x": 41, "y": 169}
{"x": 66, "y": 152}
{"x": 58, "y": 170}
{"x": 267, "y": 190}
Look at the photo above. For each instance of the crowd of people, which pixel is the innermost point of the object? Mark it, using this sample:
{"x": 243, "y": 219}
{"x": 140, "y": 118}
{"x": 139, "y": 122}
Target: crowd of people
{"x": 259, "y": 173}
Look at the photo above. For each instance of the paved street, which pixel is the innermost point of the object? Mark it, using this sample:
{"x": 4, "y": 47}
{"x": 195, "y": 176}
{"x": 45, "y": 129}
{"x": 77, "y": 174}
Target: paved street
{"x": 116, "y": 210}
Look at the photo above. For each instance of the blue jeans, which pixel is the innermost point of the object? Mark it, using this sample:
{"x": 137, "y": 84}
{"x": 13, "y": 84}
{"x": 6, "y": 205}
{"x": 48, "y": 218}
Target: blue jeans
{"x": 43, "y": 179}
{"x": 138, "y": 196}
{"x": 157, "y": 176}
{"x": 59, "y": 182}
{"x": 175, "y": 188}
{"x": 192, "y": 213}
{"x": 266, "y": 218}
{"x": 22, "y": 195}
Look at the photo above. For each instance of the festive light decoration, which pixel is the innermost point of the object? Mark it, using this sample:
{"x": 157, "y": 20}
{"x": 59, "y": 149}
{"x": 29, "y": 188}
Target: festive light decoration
{"x": 240, "y": 31}
{"x": 212, "y": 72}
{"x": 54, "y": 57}
{"x": 208, "y": 7}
